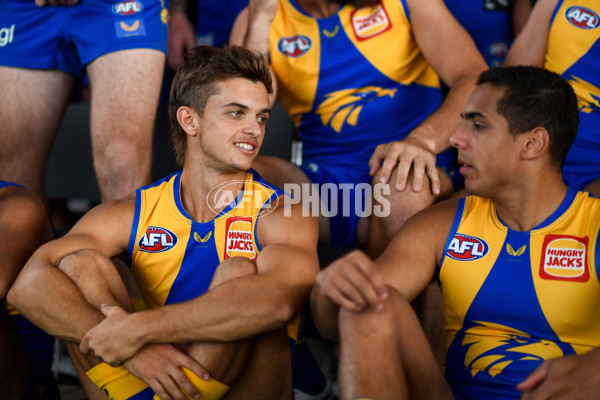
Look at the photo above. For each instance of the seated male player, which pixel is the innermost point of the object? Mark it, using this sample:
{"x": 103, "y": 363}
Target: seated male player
{"x": 222, "y": 265}
{"x": 517, "y": 262}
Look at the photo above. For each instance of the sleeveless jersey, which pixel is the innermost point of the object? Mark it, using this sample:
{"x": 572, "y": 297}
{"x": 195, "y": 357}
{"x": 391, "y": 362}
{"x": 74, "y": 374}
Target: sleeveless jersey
{"x": 350, "y": 81}
{"x": 489, "y": 24}
{"x": 574, "y": 52}
{"x": 174, "y": 258}
{"x": 514, "y": 299}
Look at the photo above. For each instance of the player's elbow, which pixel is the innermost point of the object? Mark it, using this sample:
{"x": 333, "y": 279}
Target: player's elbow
{"x": 290, "y": 306}
{"x": 18, "y": 294}
{"x": 25, "y": 290}
{"x": 284, "y": 313}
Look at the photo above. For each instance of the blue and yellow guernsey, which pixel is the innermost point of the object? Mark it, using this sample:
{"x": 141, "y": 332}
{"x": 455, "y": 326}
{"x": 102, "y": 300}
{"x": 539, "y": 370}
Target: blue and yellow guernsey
{"x": 514, "y": 299}
{"x": 574, "y": 52}
{"x": 351, "y": 81}
{"x": 174, "y": 258}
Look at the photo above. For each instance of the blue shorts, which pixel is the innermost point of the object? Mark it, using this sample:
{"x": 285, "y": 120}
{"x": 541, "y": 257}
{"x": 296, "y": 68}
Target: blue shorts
{"x": 582, "y": 165}
{"x": 39, "y": 347}
{"x": 70, "y": 37}
{"x": 350, "y": 201}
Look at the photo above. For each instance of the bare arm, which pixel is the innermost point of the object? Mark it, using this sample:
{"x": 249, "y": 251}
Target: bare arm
{"x": 408, "y": 265}
{"x": 452, "y": 54}
{"x": 529, "y": 48}
{"x": 520, "y": 11}
{"x": 239, "y": 308}
{"x": 25, "y": 227}
{"x": 46, "y": 296}
{"x": 182, "y": 35}
{"x": 251, "y": 30}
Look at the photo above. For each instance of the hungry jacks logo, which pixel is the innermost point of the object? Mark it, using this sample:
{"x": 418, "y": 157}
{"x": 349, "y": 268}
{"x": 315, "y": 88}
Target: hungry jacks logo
{"x": 564, "y": 258}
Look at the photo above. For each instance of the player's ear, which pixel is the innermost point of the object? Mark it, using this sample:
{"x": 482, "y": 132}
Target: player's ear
{"x": 537, "y": 143}
{"x": 188, "y": 120}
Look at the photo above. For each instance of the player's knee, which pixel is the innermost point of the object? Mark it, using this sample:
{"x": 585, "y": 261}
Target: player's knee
{"x": 369, "y": 323}
{"x": 233, "y": 268}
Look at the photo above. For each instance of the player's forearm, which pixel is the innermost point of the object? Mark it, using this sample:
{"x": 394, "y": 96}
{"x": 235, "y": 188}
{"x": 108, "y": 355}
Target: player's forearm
{"x": 235, "y": 310}
{"x": 257, "y": 31}
{"x": 436, "y": 130}
{"x": 49, "y": 299}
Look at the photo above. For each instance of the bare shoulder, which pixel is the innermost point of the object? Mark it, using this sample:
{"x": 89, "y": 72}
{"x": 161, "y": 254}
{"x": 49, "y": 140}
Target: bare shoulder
{"x": 106, "y": 226}
{"x": 288, "y": 223}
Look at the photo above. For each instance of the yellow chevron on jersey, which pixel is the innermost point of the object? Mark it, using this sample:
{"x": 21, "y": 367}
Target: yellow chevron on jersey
{"x": 514, "y": 299}
{"x": 296, "y": 50}
{"x": 573, "y": 48}
{"x": 174, "y": 258}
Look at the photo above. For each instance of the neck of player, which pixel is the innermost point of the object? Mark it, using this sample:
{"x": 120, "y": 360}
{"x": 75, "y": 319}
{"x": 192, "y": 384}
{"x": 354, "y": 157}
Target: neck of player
{"x": 200, "y": 193}
{"x": 531, "y": 200}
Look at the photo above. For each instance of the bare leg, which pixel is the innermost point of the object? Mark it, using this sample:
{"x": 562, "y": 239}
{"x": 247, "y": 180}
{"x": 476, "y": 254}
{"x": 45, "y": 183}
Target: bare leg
{"x": 13, "y": 361}
{"x": 385, "y": 355}
{"x": 29, "y": 121}
{"x": 247, "y": 364}
{"x": 98, "y": 279}
{"x": 125, "y": 89}
{"x": 402, "y": 205}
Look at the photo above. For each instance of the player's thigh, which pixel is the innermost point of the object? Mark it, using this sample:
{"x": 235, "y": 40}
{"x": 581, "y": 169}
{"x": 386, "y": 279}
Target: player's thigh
{"x": 36, "y": 101}
{"x": 125, "y": 90}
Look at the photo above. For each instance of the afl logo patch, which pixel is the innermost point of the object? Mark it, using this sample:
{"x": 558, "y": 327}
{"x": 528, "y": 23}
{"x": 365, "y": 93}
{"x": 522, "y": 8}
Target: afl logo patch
{"x": 157, "y": 240}
{"x": 128, "y": 7}
{"x": 582, "y": 17}
{"x": 294, "y": 46}
{"x": 467, "y": 248}
{"x": 564, "y": 258}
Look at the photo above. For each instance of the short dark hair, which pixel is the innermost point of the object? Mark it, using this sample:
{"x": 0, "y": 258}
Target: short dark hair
{"x": 535, "y": 97}
{"x": 196, "y": 81}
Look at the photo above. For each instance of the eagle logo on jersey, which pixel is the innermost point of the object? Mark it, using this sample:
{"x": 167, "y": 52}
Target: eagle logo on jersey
{"x": 344, "y": 106}
{"x": 466, "y": 248}
{"x": 588, "y": 96}
{"x": 157, "y": 240}
{"x": 582, "y": 17}
{"x": 492, "y": 350}
{"x": 294, "y": 46}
